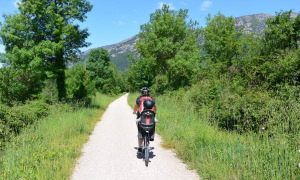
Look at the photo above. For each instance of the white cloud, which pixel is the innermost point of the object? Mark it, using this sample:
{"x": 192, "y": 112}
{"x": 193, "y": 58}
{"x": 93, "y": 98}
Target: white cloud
{"x": 17, "y": 2}
{"x": 160, "y": 5}
{"x": 205, "y": 5}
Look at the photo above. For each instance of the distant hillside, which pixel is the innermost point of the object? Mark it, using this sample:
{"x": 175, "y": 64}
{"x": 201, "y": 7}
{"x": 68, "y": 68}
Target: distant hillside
{"x": 118, "y": 52}
{"x": 251, "y": 23}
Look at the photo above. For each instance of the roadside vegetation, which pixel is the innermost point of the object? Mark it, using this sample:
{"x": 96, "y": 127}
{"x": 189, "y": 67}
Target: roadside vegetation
{"x": 49, "y": 148}
{"x": 230, "y": 106}
{"x": 221, "y": 154}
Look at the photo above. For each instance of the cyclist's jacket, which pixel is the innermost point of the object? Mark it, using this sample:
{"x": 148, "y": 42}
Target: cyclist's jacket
{"x": 140, "y": 102}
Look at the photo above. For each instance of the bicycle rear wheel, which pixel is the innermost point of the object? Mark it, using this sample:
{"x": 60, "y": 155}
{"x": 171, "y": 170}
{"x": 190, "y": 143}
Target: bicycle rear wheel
{"x": 147, "y": 148}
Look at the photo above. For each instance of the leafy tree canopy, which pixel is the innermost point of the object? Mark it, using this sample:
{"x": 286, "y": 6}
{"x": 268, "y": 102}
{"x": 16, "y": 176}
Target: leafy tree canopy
{"x": 79, "y": 84}
{"x": 283, "y": 32}
{"x": 221, "y": 38}
{"x": 43, "y": 37}
{"x": 103, "y": 72}
{"x": 98, "y": 66}
{"x": 167, "y": 42}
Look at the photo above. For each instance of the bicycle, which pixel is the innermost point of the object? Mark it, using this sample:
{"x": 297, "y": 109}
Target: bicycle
{"x": 147, "y": 124}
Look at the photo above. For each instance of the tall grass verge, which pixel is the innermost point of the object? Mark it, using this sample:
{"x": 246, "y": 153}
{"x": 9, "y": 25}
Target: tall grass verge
{"x": 48, "y": 149}
{"x": 221, "y": 154}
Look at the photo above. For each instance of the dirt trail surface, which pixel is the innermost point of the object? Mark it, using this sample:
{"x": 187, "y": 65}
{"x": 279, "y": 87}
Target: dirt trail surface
{"x": 111, "y": 151}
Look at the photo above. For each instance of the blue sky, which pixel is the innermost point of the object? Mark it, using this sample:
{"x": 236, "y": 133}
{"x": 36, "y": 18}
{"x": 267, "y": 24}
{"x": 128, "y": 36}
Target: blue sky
{"x": 112, "y": 21}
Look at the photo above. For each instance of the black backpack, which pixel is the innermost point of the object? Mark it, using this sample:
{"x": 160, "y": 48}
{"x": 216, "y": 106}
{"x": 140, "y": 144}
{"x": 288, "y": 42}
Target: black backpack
{"x": 147, "y": 122}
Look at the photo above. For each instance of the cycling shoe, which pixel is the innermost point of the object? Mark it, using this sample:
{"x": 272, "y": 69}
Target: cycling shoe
{"x": 139, "y": 151}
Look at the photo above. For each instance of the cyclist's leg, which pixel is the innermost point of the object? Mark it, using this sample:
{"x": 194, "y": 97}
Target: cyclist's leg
{"x": 140, "y": 140}
{"x": 152, "y": 132}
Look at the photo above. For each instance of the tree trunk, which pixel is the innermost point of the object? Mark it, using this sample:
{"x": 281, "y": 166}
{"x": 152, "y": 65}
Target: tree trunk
{"x": 169, "y": 79}
{"x": 61, "y": 86}
{"x": 59, "y": 61}
{"x": 60, "y": 77}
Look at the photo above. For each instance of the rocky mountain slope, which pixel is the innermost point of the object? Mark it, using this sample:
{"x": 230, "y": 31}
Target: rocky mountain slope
{"x": 252, "y": 23}
{"x": 118, "y": 52}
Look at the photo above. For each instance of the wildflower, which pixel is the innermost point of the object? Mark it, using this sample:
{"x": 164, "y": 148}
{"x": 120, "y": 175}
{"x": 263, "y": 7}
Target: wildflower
{"x": 263, "y": 128}
{"x": 299, "y": 165}
{"x": 244, "y": 142}
{"x": 299, "y": 151}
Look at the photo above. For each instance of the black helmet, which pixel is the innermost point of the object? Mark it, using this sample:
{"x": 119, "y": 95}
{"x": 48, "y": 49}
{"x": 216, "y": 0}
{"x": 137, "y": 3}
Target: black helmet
{"x": 148, "y": 104}
{"x": 145, "y": 91}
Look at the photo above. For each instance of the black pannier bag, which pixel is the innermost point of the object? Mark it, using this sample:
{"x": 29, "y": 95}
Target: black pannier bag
{"x": 147, "y": 122}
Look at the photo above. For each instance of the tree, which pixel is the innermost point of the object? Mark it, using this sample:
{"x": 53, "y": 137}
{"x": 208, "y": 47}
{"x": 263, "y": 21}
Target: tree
{"x": 280, "y": 52}
{"x": 283, "y": 32}
{"x": 79, "y": 84}
{"x": 114, "y": 84}
{"x": 140, "y": 74}
{"x": 43, "y": 37}
{"x": 221, "y": 38}
{"x": 98, "y": 65}
{"x": 163, "y": 41}
{"x": 103, "y": 72}
{"x": 185, "y": 64}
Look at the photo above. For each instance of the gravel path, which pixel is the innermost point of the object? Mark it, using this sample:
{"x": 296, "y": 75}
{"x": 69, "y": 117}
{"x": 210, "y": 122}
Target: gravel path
{"x": 111, "y": 151}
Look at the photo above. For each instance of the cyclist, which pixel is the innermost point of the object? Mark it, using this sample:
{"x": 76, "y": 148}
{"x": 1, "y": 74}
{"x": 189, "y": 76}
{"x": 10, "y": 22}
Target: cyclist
{"x": 138, "y": 108}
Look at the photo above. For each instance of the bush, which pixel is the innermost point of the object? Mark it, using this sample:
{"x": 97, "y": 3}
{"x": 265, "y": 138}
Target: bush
{"x": 14, "y": 119}
{"x": 242, "y": 113}
{"x": 234, "y": 108}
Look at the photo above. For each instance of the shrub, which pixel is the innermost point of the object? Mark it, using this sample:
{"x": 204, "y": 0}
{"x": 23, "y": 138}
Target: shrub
{"x": 14, "y": 119}
{"x": 242, "y": 110}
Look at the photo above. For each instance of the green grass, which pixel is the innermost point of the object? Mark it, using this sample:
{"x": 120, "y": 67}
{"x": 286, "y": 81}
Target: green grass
{"x": 220, "y": 154}
{"x": 49, "y": 148}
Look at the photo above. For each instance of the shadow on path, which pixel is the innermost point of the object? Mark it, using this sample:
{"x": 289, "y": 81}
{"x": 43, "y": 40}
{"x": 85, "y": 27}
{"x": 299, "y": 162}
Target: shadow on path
{"x": 142, "y": 156}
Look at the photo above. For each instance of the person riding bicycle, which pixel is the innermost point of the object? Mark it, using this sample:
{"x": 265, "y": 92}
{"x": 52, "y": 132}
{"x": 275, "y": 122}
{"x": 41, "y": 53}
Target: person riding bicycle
{"x": 145, "y": 101}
